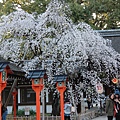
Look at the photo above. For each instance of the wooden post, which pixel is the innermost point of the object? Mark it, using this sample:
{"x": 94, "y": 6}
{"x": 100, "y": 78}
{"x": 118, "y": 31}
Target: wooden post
{"x": 14, "y": 93}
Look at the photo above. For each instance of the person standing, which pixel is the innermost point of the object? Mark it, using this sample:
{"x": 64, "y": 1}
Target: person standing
{"x": 67, "y": 109}
{"x": 110, "y": 107}
{"x": 117, "y": 105}
{"x": 4, "y": 112}
{"x": 117, "y": 109}
{"x": 89, "y": 102}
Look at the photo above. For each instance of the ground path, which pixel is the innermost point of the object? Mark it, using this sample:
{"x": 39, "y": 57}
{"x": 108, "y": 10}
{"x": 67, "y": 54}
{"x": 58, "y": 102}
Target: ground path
{"x": 101, "y": 118}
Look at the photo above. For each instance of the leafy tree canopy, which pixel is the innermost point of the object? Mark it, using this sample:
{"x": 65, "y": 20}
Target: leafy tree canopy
{"x": 37, "y": 6}
{"x": 100, "y": 14}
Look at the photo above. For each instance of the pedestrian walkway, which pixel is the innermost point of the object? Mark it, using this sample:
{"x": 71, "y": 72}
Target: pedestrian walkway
{"x": 101, "y": 118}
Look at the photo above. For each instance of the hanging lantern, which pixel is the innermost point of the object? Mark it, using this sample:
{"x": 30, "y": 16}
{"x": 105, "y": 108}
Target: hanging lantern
{"x": 115, "y": 80}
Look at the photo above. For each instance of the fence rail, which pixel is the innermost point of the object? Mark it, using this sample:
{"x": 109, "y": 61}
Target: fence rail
{"x": 86, "y": 116}
{"x": 33, "y": 118}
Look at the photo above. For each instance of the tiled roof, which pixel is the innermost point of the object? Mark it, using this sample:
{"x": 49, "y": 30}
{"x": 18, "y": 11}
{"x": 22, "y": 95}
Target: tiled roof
{"x": 36, "y": 74}
{"x": 3, "y": 65}
{"x": 59, "y": 78}
{"x": 12, "y": 66}
{"x": 113, "y": 35}
{"x": 108, "y": 33}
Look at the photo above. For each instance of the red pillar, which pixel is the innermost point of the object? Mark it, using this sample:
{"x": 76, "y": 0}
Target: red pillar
{"x": 37, "y": 89}
{"x": 61, "y": 89}
{"x": 14, "y": 93}
{"x": 0, "y": 102}
{"x": 38, "y": 105}
{"x": 2, "y": 86}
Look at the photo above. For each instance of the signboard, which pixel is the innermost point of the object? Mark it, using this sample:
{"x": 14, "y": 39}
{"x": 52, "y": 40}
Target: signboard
{"x": 115, "y": 80}
{"x": 27, "y": 111}
{"x": 99, "y": 88}
{"x": 73, "y": 109}
{"x": 3, "y": 76}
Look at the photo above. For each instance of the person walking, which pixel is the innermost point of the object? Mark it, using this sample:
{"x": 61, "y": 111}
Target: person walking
{"x": 4, "y": 112}
{"x": 110, "y": 107}
{"x": 67, "y": 109}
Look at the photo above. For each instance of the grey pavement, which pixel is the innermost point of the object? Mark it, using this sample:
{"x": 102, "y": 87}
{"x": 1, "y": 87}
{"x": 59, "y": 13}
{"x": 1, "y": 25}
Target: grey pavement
{"x": 101, "y": 118}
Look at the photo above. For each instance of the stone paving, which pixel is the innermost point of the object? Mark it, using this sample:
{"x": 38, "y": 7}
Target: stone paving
{"x": 102, "y": 118}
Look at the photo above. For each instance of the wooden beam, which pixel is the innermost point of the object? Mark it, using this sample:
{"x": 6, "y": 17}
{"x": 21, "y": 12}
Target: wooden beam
{"x": 10, "y": 93}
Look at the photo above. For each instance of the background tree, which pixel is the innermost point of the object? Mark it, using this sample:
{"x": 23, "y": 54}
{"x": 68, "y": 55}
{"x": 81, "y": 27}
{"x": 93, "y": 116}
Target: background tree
{"x": 52, "y": 39}
{"x": 6, "y": 7}
{"x": 30, "y": 6}
{"x": 100, "y": 14}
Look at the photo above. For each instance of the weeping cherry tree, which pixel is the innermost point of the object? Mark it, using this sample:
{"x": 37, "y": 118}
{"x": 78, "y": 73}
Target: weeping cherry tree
{"x": 53, "y": 42}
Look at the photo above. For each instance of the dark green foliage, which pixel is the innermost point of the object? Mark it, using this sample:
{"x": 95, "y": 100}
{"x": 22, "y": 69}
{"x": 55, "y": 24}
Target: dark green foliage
{"x": 100, "y": 14}
{"x": 106, "y": 13}
{"x": 21, "y": 112}
{"x": 32, "y": 112}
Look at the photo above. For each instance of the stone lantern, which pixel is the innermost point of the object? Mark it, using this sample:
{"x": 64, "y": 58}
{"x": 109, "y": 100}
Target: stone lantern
{"x": 60, "y": 81}
{"x": 37, "y": 77}
{"x": 4, "y": 70}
